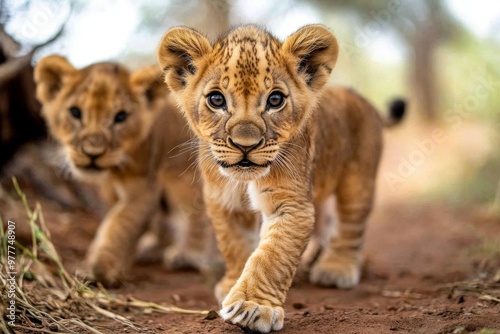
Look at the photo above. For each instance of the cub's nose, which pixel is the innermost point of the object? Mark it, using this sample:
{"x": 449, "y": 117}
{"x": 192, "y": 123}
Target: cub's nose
{"x": 245, "y": 136}
{"x": 93, "y": 146}
{"x": 246, "y": 146}
{"x": 93, "y": 153}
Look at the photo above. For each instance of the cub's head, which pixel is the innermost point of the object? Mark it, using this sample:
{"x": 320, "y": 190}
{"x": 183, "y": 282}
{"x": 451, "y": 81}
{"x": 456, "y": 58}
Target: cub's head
{"x": 248, "y": 94}
{"x": 99, "y": 113}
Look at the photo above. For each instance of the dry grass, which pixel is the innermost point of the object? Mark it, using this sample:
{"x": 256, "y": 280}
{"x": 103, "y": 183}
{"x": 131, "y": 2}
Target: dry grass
{"x": 486, "y": 289}
{"x": 49, "y": 299}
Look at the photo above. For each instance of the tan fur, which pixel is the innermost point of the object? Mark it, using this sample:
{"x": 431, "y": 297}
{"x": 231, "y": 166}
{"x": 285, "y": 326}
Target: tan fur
{"x": 321, "y": 142}
{"x": 136, "y": 162}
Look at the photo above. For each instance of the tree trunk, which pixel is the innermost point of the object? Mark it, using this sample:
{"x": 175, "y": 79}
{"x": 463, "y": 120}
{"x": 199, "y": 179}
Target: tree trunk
{"x": 423, "y": 72}
{"x": 217, "y": 20}
{"x": 20, "y": 120}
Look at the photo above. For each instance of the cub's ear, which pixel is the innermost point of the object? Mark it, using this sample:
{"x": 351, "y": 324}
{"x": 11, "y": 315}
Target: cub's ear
{"x": 178, "y": 54}
{"x": 50, "y": 74}
{"x": 316, "y": 51}
{"x": 148, "y": 82}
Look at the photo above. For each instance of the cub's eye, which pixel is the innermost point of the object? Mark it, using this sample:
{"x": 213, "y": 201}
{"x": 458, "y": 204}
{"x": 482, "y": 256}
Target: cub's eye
{"x": 275, "y": 100}
{"x": 216, "y": 100}
{"x": 75, "y": 112}
{"x": 120, "y": 116}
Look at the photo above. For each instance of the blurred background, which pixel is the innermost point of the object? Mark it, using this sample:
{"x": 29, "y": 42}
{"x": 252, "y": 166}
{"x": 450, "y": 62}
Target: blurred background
{"x": 437, "y": 216}
{"x": 441, "y": 55}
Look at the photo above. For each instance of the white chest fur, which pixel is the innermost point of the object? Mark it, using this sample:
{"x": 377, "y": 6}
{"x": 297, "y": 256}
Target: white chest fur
{"x": 253, "y": 196}
{"x": 260, "y": 203}
{"x": 232, "y": 196}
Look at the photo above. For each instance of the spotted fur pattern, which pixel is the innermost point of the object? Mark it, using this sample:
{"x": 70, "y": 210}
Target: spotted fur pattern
{"x": 271, "y": 155}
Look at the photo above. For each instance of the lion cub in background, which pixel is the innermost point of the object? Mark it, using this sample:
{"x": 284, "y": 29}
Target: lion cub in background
{"x": 120, "y": 131}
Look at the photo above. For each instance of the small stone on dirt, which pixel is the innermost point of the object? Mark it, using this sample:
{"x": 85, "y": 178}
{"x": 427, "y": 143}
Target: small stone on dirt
{"x": 211, "y": 315}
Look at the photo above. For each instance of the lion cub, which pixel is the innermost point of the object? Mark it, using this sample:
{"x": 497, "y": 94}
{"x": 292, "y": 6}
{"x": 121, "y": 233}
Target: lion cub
{"x": 120, "y": 131}
{"x": 275, "y": 142}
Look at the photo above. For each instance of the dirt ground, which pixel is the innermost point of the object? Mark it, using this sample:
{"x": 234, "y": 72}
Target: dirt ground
{"x": 420, "y": 260}
{"x": 425, "y": 265}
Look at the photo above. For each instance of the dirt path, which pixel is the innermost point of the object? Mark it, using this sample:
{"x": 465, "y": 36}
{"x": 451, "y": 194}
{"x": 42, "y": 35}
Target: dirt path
{"x": 415, "y": 255}
{"x": 421, "y": 263}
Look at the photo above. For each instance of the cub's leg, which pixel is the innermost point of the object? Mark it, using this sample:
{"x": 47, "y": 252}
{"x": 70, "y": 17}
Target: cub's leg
{"x": 193, "y": 244}
{"x": 236, "y": 233}
{"x": 157, "y": 237}
{"x": 108, "y": 195}
{"x": 113, "y": 249}
{"x": 256, "y": 300}
{"x": 324, "y": 229}
{"x": 340, "y": 262}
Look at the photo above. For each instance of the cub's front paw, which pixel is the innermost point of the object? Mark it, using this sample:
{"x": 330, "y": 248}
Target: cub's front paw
{"x": 107, "y": 269}
{"x": 252, "y": 315}
{"x": 335, "y": 271}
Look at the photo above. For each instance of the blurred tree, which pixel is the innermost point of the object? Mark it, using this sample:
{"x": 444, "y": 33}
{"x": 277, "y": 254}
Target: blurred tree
{"x": 422, "y": 26}
{"x": 211, "y": 17}
{"x": 208, "y": 16}
{"x": 20, "y": 120}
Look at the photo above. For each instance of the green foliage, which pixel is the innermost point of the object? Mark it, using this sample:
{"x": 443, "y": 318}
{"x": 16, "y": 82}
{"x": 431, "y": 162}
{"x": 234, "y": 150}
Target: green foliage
{"x": 470, "y": 77}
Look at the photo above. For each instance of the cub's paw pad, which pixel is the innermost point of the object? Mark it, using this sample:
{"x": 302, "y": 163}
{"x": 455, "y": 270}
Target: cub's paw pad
{"x": 340, "y": 275}
{"x": 253, "y": 316}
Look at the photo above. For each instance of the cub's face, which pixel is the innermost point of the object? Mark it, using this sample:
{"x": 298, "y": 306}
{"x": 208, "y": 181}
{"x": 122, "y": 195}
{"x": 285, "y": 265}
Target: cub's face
{"x": 249, "y": 94}
{"x": 99, "y": 114}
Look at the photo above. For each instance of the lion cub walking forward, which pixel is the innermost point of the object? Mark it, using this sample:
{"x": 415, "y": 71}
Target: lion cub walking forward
{"x": 120, "y": 131}
{"x": 273, "y": 140}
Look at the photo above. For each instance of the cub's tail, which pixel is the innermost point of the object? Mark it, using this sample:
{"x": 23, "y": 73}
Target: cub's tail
{"x": 397, "y": 110}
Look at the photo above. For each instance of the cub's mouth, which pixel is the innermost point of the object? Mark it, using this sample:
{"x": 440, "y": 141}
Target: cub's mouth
{"x": 90, "y": 167}
{"x": 93, "y": 166}
{"x": 243, "y": 163}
